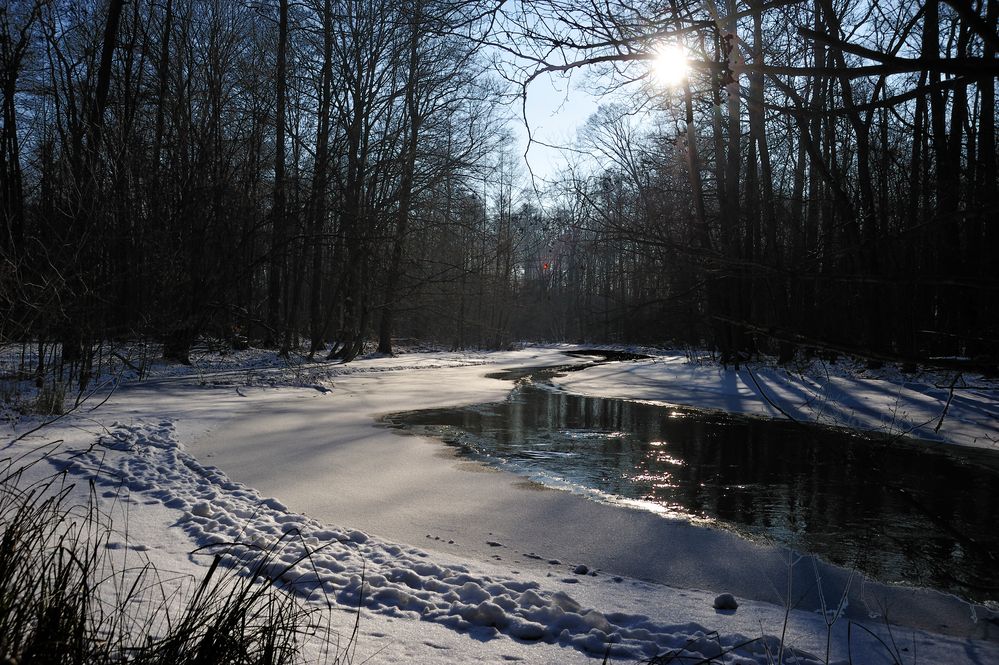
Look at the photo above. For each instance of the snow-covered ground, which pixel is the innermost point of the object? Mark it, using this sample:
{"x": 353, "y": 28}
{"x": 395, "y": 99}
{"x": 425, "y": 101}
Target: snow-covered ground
{"x": 465, "y": 564}
{"x": 952, "y": 407}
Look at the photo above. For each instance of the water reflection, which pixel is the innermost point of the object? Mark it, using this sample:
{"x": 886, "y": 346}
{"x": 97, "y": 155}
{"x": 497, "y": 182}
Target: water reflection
{"x": 899, "y": 511}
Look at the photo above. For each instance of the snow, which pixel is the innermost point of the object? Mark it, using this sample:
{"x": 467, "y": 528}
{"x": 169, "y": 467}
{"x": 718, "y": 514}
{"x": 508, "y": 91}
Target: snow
{"x": 841, "y": 395}
{"x": 454, "y": 562}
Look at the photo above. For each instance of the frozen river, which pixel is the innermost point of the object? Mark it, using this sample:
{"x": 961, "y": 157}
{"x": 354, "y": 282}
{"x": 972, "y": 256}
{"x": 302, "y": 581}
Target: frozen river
{"x": 900, "y": 511}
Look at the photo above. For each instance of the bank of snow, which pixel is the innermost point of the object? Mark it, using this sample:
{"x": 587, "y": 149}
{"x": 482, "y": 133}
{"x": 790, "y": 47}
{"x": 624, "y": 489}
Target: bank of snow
{"x": 352, "y": 500}
{"x": 950, "y": 407}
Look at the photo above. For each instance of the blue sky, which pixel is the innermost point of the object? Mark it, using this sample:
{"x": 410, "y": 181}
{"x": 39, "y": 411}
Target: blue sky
{"x": 556, "y": 107}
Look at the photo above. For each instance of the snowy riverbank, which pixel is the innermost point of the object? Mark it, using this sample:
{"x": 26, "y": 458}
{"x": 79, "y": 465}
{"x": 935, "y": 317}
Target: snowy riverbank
{"x": 494, "y": 568}
{"x": 951, "y": 407}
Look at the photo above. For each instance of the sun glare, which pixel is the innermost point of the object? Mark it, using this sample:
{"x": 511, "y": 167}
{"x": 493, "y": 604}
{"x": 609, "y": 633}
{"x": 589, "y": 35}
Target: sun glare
{"x": 671, "y": 66}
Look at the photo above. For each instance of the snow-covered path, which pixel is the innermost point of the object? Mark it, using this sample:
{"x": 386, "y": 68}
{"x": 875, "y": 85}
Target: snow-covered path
{"x": 365, "y": 493}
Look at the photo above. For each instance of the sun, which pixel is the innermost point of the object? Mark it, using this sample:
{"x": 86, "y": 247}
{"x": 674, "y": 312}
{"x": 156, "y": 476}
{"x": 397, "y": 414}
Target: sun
{"x": 670, "y": 65}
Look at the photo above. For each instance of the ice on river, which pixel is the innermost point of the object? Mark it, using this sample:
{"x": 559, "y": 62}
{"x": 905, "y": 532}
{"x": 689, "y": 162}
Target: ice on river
{"x": 510, "y": 609}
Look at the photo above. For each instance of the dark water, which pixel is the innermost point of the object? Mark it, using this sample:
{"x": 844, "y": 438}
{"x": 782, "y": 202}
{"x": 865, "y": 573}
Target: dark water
{"x": 898, "y": 511}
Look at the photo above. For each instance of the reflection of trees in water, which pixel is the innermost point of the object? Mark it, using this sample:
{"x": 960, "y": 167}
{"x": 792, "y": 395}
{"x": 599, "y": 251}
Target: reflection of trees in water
{"x": 814, "y": 489}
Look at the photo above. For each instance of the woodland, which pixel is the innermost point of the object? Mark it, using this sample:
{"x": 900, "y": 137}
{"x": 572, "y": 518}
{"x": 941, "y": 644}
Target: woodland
{"x": 334, "y": 176}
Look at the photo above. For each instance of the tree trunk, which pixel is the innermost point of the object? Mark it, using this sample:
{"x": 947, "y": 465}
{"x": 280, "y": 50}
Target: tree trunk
{"x": 318, "y": 195}
{"x": 275, "y": 276}
{"x": 733, "y": 289}
{"x": 406, "y": 184}
{"x": 989, "y": 183}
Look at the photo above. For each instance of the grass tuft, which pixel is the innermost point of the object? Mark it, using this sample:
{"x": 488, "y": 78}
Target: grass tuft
{"x": 67, "y": 596}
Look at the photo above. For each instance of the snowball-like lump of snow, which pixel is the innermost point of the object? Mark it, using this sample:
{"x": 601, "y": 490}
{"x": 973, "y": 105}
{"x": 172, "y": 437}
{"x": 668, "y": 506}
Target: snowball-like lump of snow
{"x": 726, "y": 601}
{"x": 202, "y": 509}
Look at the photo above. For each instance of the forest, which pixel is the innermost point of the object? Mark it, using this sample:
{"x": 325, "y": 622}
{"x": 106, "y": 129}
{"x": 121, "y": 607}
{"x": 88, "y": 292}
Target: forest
{"x": 328, "y": 176}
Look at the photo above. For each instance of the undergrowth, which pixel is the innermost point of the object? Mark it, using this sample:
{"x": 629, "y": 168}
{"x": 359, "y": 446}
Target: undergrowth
{"x": 70, "y": 596}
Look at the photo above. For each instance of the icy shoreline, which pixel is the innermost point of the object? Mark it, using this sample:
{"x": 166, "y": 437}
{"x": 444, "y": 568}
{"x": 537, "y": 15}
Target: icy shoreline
{"x": 484, "y": 589}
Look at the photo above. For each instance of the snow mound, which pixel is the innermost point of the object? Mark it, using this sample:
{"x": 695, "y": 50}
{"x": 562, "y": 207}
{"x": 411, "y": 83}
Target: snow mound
{"x": 323, "y": 563}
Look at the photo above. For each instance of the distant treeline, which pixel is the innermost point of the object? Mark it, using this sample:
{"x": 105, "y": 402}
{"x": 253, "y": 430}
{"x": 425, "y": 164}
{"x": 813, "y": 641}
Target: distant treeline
{"x": 323, "y": 173}
{"x": 292, "y": 174}
{"x": 825, "y": 178}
